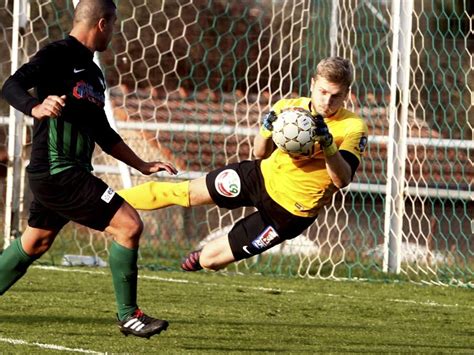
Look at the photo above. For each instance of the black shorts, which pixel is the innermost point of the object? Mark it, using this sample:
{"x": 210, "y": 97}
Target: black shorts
{"x": 72, "y": 195}
{"x": 242, "y": 185}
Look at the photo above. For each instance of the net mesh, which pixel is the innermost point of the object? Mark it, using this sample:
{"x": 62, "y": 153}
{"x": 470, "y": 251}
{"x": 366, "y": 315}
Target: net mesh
{"x": 189, "y": 80}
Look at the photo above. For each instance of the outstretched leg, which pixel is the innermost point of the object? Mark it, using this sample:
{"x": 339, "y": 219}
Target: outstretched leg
{"x": 217, "y": 254}
{"x": 250, "y": 236}
{"x": 154, "y": 195}
{"x": 157, "y": 194}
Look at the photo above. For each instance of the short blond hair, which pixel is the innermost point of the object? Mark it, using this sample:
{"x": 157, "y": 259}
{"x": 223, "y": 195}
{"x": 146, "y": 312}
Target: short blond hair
{"x": 335, "y": 70}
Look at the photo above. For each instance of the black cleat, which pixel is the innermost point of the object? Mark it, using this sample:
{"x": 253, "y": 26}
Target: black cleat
{"x": 141, "y": 325}
{"x": 191, "y": 262}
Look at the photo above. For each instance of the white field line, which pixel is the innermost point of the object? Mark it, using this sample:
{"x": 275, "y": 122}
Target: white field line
{"x": 164, "y": 279}
{"x": 427, "y": 303}
{"x": 47, "y": 346}
{"x": 396, "y": 300}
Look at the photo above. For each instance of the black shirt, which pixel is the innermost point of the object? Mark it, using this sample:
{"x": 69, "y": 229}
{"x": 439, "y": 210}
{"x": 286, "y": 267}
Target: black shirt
{"x": 65, "y": 67}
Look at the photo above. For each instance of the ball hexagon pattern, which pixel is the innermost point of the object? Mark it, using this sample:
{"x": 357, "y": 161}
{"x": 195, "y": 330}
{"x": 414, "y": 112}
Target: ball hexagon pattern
{"x": 294, "y": 132}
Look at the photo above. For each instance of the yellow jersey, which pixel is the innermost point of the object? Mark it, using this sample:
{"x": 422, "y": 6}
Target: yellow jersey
{"x": 302, "y": 185}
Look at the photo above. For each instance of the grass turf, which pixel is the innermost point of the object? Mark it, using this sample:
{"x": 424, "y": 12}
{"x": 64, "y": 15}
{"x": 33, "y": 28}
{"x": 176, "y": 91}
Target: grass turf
{"x": 222, "y": 313}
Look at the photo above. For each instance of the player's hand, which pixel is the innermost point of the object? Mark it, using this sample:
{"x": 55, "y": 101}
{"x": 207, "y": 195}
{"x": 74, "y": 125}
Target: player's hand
{"x": 50, "y": 107}
{"x": 267, "y": 124}
{"x": 323, "y": 136}
{"x": 156, "y": 166}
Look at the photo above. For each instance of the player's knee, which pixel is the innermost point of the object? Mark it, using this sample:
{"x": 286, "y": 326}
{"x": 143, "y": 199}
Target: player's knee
{"x": 131, "y": 230}
{"x": 209, "y": 264}
{"x": 40, "y": 246}
{"x": 136, "y": 229}
{"x": 216, "y": 254}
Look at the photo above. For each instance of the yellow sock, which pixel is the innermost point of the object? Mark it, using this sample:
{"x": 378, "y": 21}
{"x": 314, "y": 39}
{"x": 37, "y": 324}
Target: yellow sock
{"x": 153, "y": 195}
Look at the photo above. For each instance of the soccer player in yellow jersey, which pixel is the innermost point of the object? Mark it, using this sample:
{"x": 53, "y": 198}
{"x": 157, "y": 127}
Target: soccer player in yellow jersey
{"x": 287, "y": 191}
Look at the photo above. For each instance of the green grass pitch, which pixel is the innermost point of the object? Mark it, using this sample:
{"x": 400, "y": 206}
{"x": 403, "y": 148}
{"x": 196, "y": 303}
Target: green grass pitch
{"x": 72, "y": 310}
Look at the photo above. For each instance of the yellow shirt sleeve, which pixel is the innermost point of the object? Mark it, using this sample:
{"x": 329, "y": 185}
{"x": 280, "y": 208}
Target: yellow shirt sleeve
{"x": 355, "y": 137}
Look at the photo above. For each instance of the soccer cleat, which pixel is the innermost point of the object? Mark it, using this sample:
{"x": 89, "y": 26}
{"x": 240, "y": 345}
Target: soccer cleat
{"x": 141, "y": 325}
{"x": 191, "y": 262}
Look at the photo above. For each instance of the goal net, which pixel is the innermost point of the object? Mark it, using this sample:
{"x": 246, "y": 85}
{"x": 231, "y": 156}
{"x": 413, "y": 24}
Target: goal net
{"x": 188, "y": 82}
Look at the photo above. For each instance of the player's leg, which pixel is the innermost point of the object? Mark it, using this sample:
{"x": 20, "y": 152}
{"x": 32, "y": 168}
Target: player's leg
{"x": 221, "y": 186}
{"x": 15, "y": 260}
{"x": 229, "y": 187}
{"x": 43, "y": 226}
{"x": 199, "y": 193}
{"x": 215, "y": 255}
{"x": 241, "y": 242}
{"x": 126, "y": 226}
{"x": 237, "y": 245}
{"x": 155, "y": 195}
{"x": 103, "y": 209}
{"x": 158, "y": 194}
{"x": 250, "y": 236}
{"x": 124, "y": 251}
{"x": 79, "y": 196}
{"x": 37, "y": 241}
{"x": 85, "y": 199}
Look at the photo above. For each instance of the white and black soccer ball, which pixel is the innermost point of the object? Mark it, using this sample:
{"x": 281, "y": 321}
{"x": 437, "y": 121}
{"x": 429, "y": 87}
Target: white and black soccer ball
{"x": 294, "y": 132}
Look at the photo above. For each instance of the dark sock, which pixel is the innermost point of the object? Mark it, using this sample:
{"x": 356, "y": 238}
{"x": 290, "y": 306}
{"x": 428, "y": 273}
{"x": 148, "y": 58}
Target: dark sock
{"x": 13, "y": 265}
{"x": 123, "y": 264}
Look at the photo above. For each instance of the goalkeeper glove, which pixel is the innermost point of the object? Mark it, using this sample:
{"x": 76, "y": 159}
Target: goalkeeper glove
{"x": 324, "y": 137}
{"x": 267, "y": 124}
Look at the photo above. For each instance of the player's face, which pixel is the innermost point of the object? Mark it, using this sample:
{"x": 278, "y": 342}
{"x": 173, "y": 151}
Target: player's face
{"x": 327, "y": 97}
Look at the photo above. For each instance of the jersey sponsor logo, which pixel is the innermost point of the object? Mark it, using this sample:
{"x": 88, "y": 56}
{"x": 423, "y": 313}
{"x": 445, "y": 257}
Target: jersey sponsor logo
{"x": 228, "y": 183}
{"x": 107, "y": 195}
{"x": 265, "y": 238}
{"x": 85, "y": 91}
{"x": 362, "y": 144}
{"x": 78, "y": 70}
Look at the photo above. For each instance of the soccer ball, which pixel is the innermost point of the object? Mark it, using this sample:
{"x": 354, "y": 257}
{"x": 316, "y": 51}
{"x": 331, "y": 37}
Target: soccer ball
{"x": 294, "y": 132}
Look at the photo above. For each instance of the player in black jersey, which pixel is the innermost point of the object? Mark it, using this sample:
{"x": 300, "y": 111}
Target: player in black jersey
{"x": 69, "y": 119}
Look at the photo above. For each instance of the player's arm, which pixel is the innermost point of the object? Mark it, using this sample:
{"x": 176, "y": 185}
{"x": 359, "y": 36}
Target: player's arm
{"x": 15, "y": 88}
{"x": 339, "y": 169}
{"x": 340, "y": 164}
{"x": 263, "y": 144}
{"x": 94, "y": 123}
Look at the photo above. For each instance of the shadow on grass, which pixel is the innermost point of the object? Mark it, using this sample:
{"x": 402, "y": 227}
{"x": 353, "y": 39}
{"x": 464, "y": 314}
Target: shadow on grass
{"x": 264, "y": 324}
{"x": 47, "y": 320}
{"x": 408, "y": 346}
